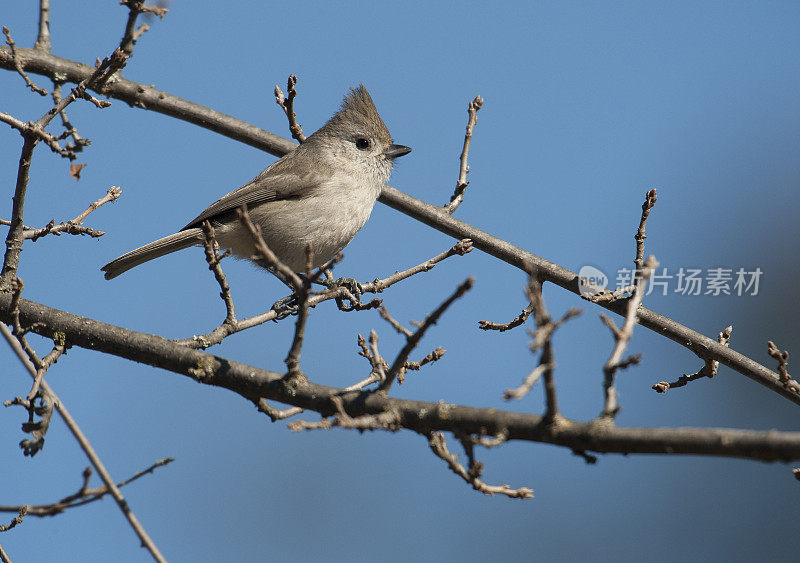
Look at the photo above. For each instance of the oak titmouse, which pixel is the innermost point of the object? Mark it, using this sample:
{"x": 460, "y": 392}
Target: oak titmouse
{"x": 321, "y": 193}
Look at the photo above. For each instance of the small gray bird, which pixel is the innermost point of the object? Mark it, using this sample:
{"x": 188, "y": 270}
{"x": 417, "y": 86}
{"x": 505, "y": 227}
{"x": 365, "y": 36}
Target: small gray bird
{"x": 321, "y": 193}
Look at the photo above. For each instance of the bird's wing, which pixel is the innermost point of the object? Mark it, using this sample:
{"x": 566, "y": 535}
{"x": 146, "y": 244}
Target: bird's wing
{"x": 273, "y": 184}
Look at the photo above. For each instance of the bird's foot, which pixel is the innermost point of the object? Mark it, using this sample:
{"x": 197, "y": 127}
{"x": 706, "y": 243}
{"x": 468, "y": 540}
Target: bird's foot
{"x": 350, "y": 284}
{"x": 285, "y": 307}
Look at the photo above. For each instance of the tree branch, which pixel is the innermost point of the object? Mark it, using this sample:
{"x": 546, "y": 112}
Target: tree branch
{"x": 253, "y": 383}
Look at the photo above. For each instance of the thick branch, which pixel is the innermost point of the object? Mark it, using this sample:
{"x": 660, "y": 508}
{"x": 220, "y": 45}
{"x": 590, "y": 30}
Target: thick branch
{"x": 423, "y": 417}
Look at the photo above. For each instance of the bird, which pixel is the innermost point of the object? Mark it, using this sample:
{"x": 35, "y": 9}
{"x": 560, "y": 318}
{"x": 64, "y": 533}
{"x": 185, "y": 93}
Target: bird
{"x": 320, "y": 194}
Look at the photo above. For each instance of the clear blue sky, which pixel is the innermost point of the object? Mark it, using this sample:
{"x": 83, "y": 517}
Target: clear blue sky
{"x": 587, "y": 106}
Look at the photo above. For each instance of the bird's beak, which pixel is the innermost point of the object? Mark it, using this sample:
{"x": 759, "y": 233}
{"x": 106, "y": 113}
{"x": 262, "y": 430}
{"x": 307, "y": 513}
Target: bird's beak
{"x": 394, "y": 151}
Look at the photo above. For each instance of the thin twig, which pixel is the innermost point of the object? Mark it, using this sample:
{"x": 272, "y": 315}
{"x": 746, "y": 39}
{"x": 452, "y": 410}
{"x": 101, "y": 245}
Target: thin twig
{"x": 709, "y": 368}
{"x": 302, "y": 292}
{"x": 70, "y": 130}
{"x": 399, "y": 366}
{"x": 649, "y": 201}
{"x": 514, "y": 323}
{"x": 542, "y": 338}
{"x": 644, "y": 269}
{"x": 528, "y": 383}
{"x": 783, "y": 362}
{"x": 23, "y": 510}
{"x": 434, "y": 356}
{"x": 438, "y": 445}
{"x": 376, "y": 362}
{"x": 40, "y": 134}
{"x": 84, "y": 495}
{"x": 59, "y": 348}
{"x": 211, "y": 247}
{"x": 17, "y": 286}
{"x": 462, "y": 183}
{"x": 137, "y": 7}
{"x": 18, "y": 65}
{"x": 287, "y": 105}
{"x": 73, "y": 226}
{"x": 384, "y": 312}
{"x": 461, "y": 248}
{"x": 389, "y": 420}
{"x": 621, "y": 337}
{"x": 276, "y": 414}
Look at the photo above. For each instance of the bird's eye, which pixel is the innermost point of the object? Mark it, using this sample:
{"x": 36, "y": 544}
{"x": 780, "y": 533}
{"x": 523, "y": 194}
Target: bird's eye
{"x": 362, "y": 144}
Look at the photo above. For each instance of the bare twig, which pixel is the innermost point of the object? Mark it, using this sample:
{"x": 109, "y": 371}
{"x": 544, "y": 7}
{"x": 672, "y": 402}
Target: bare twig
{"x": 213, "y": 258}
{"x": 23, "y": 510}
{"x": 73, "y": 226}
{"x": 490, "y": 441}
{"x": 39, "y": 134}
{"x": 399, "y": 366}
{"x": 84, "y": 495}
{"x": 783, "y": 362}
{"x": 541, "y": 340}
{"x": 434, "y": 356}
{"x": 438, "y": 445}
{"x": 528, "y": 383}
{"x": 302, "y": 293}
{"x": 394, "y": 322}
{"x": 461, "y": 185}
{"x": 461, "y": 248}
{"x": 376, "y": 362}
{"x": 276, "y": 414}
{"x": 514, "y": 323}
{"x": 287, "y": 105}
{"x": 644, "y": 269}
{"x": 70, "y": 130}
{"x": 10, "y": 42}
{"x": 17, "y": 285}
{"x": 60, "y": 346}
{"x": 709, "y": 368}
{"x": 649, "y": 201}
{"x": 137, "y": 7}
{"x": 388, "y": 420}
{"x": 621, "y": 337}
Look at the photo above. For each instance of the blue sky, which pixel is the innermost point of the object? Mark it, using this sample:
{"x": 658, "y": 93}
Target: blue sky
{"x": 587, "y": 106}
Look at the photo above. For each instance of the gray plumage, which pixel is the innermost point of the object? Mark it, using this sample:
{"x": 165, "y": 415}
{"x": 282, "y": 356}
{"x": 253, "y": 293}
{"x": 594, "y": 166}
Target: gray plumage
{"x": 321, "y": 193}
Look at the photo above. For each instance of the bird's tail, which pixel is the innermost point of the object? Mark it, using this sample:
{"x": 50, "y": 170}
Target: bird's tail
{"x": 160, "y": 247}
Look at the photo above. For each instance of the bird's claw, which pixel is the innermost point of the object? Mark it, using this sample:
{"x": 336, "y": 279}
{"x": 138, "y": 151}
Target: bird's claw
{"x": 285, "y": 307}
{"x": 350, "y": 284}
